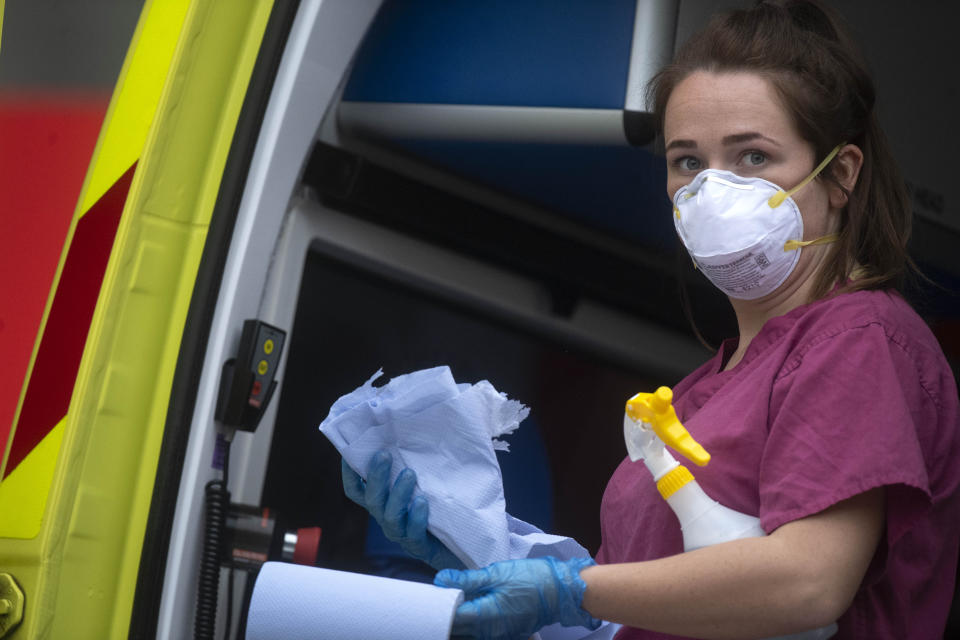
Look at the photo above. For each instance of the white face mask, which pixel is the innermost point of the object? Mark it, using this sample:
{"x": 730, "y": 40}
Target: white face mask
{"x": 744, "y": 234}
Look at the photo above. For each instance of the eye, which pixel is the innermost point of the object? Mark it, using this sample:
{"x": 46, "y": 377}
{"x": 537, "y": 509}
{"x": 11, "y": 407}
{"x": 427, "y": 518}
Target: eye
{"x": 688, "y": 163}
{"x": 754, "y": 158}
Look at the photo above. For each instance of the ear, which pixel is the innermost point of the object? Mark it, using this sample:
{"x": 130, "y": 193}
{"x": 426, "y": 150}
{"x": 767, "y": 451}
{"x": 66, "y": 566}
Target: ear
{"x": 845, "y": 169}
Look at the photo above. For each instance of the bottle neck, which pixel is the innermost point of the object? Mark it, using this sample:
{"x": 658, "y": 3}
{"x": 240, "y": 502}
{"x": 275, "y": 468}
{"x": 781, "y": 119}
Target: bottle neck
{"x": 674, "y": 480}
{"x": 688, "y": 501}
{"x": 660, "y": 463}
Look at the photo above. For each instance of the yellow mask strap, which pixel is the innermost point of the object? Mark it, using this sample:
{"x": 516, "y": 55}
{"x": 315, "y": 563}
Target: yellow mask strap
{"x": 790, "y": 245}
{"x": 777, "y": 199}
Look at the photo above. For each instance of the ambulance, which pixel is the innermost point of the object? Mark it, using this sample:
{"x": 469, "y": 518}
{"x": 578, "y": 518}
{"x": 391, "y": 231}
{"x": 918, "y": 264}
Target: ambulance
{"x": 286, "y": 197}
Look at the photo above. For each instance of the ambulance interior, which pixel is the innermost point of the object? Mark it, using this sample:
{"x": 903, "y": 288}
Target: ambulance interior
{"x": 401, "y": 218}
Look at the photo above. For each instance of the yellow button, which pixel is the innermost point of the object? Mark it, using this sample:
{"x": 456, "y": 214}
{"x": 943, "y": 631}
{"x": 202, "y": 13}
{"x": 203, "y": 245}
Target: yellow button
{"x": 262, "y": 367}
{"x": 268, "y": 347}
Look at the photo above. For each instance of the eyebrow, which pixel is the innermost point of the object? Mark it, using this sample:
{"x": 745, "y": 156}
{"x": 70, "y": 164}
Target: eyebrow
{"x": 735, "y": 138}
{"x": 747, "y": 137}
{"x": 681, "y": 144}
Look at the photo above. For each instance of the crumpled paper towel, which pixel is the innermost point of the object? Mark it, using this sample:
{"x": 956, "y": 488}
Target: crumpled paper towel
{"x": 447, "y": 433}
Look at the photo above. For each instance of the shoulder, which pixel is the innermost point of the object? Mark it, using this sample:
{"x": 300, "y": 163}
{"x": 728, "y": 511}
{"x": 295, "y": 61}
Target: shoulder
{"x": 884, "y": 314}
{"x": 869, "y": 329}
{"x": 856, "y": 309}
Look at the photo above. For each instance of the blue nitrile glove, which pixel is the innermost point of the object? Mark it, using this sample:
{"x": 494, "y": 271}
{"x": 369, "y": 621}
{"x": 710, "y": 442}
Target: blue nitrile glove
{"x": 512, "y": 600}
{"x": 403, "y": 520}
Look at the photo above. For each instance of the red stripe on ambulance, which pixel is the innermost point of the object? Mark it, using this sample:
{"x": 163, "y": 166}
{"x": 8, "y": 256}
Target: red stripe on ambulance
{"x": 58, "y": 360}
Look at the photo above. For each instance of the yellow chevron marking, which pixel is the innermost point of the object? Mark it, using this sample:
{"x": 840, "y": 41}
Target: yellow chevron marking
{"x": 24, "y": 492}
{"x": 133, "y": 106}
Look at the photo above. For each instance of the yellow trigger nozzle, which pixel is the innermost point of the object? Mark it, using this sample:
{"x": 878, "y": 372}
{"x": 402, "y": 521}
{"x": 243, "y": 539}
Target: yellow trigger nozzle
{"x": 656, "y": 409}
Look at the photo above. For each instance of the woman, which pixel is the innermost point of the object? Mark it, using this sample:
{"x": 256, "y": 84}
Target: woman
{"x": 833, "y": 416}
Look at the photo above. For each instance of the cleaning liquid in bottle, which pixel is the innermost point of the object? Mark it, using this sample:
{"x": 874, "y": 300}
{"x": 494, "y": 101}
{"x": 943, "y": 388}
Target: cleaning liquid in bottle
{"x": 649, "y": 423}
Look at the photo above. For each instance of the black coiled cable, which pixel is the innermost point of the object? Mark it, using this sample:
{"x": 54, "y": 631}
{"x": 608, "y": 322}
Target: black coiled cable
{"x": 217, "y": 503}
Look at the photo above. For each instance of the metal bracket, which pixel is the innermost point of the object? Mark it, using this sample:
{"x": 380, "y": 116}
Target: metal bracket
{"x": 11, "y": 604}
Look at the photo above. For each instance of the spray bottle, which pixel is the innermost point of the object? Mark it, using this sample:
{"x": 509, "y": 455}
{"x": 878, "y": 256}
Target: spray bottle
{"x": 649, "y": 423}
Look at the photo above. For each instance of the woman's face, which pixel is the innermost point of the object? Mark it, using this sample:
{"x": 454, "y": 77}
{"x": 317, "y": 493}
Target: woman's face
{"x": 735, "y": 121}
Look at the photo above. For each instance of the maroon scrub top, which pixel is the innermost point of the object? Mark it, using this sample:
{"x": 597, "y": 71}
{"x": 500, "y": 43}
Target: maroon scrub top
{"x": 837, "y": 397}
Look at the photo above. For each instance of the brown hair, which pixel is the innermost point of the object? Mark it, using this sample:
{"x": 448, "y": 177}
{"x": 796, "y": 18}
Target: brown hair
{"x": 802, "y": 48}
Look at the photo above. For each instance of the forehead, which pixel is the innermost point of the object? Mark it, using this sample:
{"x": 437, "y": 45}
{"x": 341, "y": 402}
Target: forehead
{"x": 706, "y": 106}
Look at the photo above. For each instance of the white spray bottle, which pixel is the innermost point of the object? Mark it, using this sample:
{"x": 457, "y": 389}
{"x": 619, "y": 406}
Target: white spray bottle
{"x": 649, "y": 423}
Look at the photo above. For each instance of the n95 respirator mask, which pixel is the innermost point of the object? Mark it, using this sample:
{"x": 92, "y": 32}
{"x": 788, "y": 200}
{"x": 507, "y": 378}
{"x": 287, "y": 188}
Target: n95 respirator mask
{"x": 744, "y": 234}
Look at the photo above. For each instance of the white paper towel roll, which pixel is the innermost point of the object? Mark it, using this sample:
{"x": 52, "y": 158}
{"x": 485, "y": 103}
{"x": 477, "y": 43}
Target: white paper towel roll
{"x": 293, "y": 602}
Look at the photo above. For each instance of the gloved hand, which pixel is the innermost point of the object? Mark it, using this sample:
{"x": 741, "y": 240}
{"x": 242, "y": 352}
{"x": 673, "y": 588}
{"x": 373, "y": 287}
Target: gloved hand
{"x": 512, "y": 600}
{"x": 403, "y": 520}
